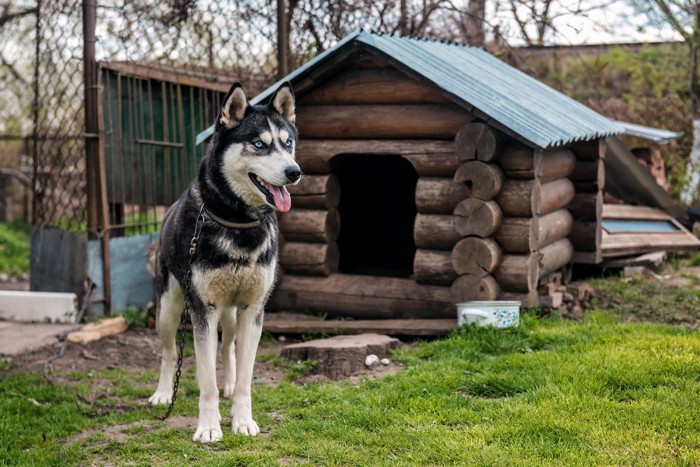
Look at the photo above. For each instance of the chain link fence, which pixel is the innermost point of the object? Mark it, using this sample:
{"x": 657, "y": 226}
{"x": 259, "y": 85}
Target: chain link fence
{"x": 164, "y": 67}
{"x": 17, "y": 32}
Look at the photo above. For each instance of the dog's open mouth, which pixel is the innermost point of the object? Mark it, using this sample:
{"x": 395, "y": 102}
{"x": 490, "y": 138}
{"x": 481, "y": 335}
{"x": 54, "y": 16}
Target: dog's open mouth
{"x": 278, "y": 196}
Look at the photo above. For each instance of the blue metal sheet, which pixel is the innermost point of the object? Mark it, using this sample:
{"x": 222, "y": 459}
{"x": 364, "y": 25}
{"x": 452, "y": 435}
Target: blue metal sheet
{"x": 132, "y": 284}
{"x": 636, "y": 226}
{"x": 503, "y": 95}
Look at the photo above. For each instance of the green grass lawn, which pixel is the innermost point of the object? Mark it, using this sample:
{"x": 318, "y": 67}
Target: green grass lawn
{"x": 551, "y": 392}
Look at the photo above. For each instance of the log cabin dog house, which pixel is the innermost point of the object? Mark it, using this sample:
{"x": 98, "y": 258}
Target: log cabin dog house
{"x": 434, "y": 174}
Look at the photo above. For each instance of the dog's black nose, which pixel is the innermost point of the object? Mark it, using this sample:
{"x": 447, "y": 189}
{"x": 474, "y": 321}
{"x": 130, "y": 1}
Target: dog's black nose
{"x": 293, "y": 173}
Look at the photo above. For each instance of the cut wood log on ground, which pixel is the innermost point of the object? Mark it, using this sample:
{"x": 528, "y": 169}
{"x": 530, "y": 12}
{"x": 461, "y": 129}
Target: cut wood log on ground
{"x": 95, "y": 331}
{"x": 341, "y": 356}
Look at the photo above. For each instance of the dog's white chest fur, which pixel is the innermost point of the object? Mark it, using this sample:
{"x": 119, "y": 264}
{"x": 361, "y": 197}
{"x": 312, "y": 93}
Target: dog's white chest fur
{"x": 239, "y": 283}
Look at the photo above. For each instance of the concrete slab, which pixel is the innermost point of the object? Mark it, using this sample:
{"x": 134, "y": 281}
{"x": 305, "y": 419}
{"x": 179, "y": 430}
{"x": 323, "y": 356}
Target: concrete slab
{"x": 53, "y": 307}
{"x": 18, "y": 338}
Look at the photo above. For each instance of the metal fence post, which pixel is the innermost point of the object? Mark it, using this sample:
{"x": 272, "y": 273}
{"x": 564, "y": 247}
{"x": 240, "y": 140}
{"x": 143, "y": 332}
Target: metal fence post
{"x": 282, "y": 40}
{"x": 97, "y": 214}
{"x": 35, "y": 119}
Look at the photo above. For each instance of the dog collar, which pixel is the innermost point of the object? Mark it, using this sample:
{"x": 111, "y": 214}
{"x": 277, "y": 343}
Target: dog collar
{"x": 229, "y": 224}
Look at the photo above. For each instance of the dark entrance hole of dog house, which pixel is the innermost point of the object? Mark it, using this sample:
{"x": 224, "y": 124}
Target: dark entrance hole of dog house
{"x": 377, "y": 212}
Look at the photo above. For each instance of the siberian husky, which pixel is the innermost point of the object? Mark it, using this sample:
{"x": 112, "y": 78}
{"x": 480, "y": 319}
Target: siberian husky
{"x": 241, "y": 184}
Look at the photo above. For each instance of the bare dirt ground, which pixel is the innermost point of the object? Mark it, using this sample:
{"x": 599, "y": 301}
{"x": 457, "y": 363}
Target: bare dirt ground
{"x": 138, "y": 349}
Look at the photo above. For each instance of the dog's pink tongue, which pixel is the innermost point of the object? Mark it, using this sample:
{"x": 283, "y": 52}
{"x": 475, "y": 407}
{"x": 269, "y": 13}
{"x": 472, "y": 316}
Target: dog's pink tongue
{"x": 283, "y": 200}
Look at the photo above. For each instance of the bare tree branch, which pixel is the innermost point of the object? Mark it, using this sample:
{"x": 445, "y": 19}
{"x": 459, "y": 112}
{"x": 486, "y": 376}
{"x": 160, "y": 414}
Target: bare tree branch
{"x": 6, "y": 16}
{"x": 671, "y": 18}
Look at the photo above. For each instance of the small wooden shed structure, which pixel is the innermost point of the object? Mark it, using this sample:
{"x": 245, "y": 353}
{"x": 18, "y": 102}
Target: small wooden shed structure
{"x": 434, "y": 174}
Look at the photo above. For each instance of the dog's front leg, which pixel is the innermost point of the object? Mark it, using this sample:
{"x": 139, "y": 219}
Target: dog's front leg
{"x": 248, "y": 331}
{"x": 228, "y": 349}
{"x": 167, "y": 320}
{"x": 205, "y": 346}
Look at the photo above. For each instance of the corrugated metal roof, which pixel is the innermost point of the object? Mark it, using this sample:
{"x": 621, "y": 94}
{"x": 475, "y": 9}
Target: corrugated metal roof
{"x": 499, "y": 93}
{"x": 654, "y": 134}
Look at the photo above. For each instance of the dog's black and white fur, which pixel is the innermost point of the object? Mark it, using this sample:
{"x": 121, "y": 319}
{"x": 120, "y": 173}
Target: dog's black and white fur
{"x": 240, "y": 185}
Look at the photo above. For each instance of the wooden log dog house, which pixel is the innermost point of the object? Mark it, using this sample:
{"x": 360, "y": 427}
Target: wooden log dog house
{"x": 434, "y": 173}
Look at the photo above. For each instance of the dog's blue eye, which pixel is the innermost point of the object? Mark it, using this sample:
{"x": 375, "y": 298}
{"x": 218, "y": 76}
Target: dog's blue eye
{"x": 259, "y": 145}
{"x": 288, "y": 143}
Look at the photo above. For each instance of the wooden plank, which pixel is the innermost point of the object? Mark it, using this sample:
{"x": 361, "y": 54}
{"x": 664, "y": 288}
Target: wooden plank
{"x": 180, "y": 76}
{"x": 429, "y": 157}
{"x": 645, "y": 241}
{"x": 626, "y": 211}
{"x": 373, "y": 86}
{"x": 362, "y": 297}
{"x": 390, "y": 327}
{"x": 441, "y": 121}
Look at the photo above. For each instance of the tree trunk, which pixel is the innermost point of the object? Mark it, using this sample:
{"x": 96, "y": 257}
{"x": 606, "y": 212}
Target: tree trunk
{"x": 690, "y": 191}
{"x": 474, "y": 23}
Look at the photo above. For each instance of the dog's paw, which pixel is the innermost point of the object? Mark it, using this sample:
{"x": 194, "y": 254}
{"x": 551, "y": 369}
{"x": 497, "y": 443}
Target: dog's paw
{"x": 228, "y": 390}
{"x": 208, "y": 434}
{"x": 161, "y": 398}
{"x": 245, "y": 427}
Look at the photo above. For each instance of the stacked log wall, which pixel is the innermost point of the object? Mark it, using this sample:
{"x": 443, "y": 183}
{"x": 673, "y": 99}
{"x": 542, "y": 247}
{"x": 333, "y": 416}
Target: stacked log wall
{"x": 476, "y": 256}
{"x": 536, "y": 222}
{"x": 376, "y": 110}
{"x": 586, "y": 208}
{"x": 492, "y": 215}
{"x": 311, "y": 229}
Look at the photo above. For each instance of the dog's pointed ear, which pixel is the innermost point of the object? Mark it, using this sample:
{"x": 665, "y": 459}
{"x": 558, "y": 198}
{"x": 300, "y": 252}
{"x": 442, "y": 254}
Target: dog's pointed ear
{"x": 234, "y": 107}
{"x": 282, "y": 101}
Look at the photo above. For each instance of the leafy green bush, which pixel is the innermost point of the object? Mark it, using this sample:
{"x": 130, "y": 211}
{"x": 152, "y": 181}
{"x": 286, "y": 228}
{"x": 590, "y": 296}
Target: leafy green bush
{"x": 14, "y": 248}
{"x": 647, "y": 85}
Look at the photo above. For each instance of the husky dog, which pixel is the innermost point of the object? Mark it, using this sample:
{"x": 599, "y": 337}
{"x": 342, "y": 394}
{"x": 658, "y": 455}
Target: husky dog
{"x": 241, "y": 183}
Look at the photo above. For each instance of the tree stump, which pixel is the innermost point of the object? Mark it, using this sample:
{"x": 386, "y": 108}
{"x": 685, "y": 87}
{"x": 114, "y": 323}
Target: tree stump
{"x": 341, "y": 356}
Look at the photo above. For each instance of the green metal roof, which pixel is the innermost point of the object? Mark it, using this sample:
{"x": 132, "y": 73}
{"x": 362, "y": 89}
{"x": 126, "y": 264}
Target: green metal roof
{"x": 495, "y": 91}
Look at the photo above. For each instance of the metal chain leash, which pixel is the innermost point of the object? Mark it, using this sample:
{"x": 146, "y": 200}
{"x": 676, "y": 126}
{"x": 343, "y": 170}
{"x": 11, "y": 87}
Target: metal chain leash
{"x": 186, "y": 310}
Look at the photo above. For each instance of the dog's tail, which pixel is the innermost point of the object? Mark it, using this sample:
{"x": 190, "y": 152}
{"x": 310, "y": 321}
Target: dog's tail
{"x": 151, "y": 254}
